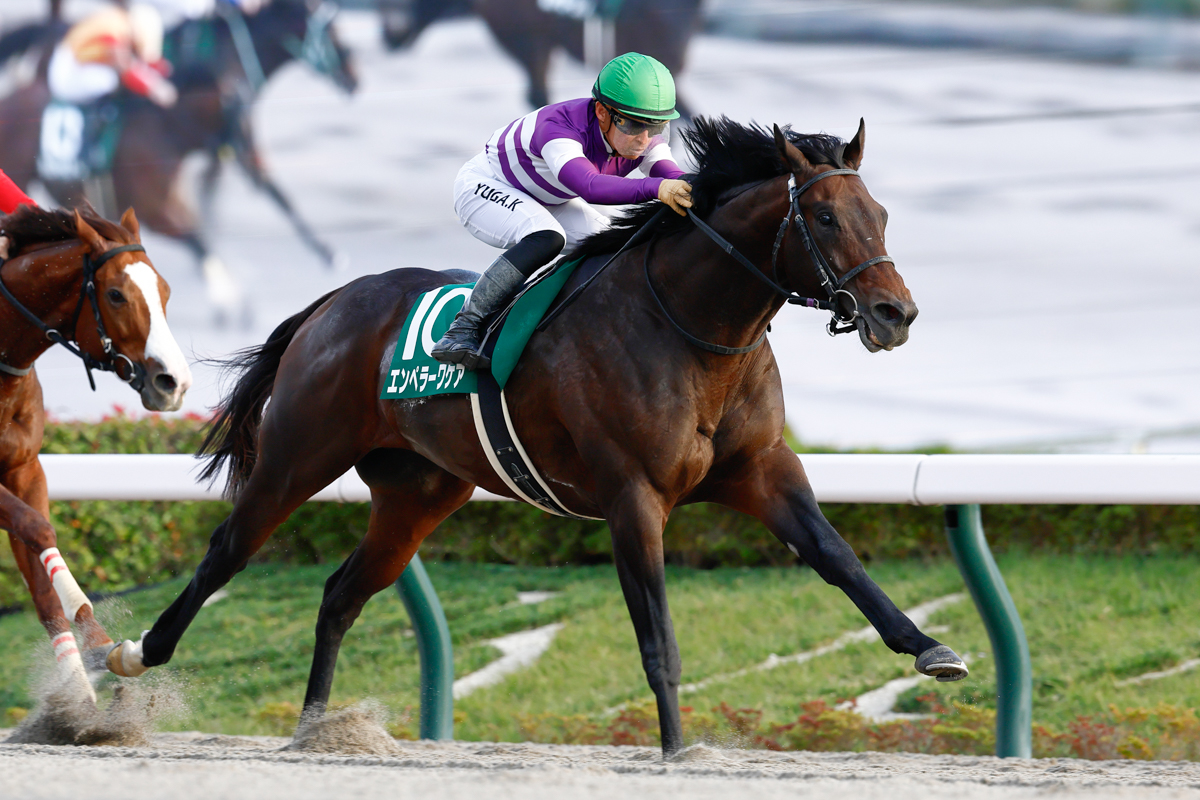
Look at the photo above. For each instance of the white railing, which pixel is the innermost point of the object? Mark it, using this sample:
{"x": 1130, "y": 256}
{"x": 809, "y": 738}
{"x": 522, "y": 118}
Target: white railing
{"x": 912, "y": 479}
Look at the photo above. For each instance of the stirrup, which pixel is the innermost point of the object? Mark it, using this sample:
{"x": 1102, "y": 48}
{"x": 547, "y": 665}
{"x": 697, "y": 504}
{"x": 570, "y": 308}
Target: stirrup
{"x": 473, "y": 360}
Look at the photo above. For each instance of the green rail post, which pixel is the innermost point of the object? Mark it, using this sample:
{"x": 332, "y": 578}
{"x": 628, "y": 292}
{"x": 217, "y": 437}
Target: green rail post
{"x": 1014, "y": 676}
{"x": 433, "y": 644}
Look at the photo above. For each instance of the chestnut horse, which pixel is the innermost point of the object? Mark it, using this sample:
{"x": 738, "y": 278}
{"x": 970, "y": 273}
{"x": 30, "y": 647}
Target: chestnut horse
{"x": 119, "y": 325}
{"x": 621, "y": 403}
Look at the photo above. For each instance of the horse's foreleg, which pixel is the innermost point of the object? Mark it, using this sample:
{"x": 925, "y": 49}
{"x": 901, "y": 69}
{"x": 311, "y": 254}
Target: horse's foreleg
{"x": 251, "y": 162}
{"x": 59, "y": 600}
{"x": 776, "y": 490}
{"x": 636, "y": 521}
{"x": 406, "y": 505}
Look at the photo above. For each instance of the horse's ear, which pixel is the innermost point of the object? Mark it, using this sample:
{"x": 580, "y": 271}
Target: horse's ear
{"x": 129, "y": 222}
{"x": 87, "y": 234}
{"x": 852, "y": 156}
{"x": 793, "y": 159}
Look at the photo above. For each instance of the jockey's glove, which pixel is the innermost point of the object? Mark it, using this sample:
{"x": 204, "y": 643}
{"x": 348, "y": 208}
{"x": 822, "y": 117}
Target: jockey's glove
{"x": 677, "y": 194}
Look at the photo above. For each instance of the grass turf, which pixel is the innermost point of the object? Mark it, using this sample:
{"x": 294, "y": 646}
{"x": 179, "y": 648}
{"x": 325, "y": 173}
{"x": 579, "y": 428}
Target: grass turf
{"x": 1091, "y": 622}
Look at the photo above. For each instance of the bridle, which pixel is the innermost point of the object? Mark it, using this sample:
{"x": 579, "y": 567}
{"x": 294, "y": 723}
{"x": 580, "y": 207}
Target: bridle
{"x": 136, "y": 375}
{"x": 833, "y": 285}
{"x": 841, "y": 320}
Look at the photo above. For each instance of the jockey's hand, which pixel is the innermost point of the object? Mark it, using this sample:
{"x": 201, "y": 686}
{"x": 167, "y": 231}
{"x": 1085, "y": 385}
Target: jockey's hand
{"x": 677, "y": 194}
{"x": 4, "y": 248}
{"x": 162, "y": 93}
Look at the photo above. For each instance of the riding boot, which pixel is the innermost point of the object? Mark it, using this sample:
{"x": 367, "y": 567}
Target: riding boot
{"x": 460, "y": 344}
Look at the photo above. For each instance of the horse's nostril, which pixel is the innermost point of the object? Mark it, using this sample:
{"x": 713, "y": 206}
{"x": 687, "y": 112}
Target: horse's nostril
{"x": 164, "y": 383}
{"x": 887, "y": 313}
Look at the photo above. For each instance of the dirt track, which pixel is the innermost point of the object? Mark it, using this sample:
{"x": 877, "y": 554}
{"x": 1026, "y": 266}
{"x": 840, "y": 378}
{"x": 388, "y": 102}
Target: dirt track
{"x": 193, "y": 765}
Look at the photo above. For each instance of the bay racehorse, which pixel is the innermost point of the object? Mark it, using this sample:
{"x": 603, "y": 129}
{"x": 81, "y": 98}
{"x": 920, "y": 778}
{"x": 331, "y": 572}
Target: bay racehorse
{"x": 655, "y": 388}
{"x": 218, "y": 78}
{"x": 87, "y": 283}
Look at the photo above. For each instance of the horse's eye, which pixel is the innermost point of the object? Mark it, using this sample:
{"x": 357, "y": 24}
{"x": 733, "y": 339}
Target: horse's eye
{"x": 115, "y": 297}
{"x": 825, "y": 218}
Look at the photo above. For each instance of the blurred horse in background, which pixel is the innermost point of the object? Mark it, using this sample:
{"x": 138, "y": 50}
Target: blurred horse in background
{"x": 221, "y": 65}
{"x": 530, "y": 30}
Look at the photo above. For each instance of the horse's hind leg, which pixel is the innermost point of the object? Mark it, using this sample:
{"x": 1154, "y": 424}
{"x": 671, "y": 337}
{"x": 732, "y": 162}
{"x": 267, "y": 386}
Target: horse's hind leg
{"x": 409, "y": 497}
{"x": 297, "y": 459}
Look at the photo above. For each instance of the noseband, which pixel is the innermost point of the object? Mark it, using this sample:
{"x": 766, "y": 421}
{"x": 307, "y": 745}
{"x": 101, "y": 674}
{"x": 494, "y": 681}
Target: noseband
{"x": 136, "y": 375}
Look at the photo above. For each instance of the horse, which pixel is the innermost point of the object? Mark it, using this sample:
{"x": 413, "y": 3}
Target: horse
{"x": 529, "y": 33}
{"x": 656, "y": 387}
{"x": 86, "y": 283}
{"x": 212, "y": 114}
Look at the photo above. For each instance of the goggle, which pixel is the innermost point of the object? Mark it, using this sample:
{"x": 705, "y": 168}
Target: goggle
{"x": 630, "y": 126}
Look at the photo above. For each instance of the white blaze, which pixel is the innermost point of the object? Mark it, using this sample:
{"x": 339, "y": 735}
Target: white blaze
{"x": 160, "y": 344}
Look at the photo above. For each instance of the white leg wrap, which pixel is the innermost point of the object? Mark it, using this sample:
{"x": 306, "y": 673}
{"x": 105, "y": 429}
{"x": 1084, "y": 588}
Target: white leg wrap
{"x": 68, "y": 591}
{"x": 70, "y": 663}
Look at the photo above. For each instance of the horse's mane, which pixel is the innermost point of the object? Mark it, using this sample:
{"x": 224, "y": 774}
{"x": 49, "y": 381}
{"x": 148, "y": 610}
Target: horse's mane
{"x": 727, "y": 154}
{"x": 30, "y": 225}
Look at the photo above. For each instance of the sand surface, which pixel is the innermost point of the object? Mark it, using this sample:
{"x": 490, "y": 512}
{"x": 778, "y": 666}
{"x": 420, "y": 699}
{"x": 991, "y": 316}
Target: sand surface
{"x": 182, "y": 766}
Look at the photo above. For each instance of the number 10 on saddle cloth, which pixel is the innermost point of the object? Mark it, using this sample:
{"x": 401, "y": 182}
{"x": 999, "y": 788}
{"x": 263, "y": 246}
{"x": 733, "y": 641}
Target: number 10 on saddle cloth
{"x": 415, "y": 373}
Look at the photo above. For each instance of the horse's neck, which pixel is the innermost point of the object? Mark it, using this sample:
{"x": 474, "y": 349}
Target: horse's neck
{"x": 46, "y": 280}
{"x": 707, "y": 291}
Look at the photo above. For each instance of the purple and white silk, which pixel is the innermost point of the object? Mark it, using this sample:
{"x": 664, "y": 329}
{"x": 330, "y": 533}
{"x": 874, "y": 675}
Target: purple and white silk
{"x": 558, "y": 153}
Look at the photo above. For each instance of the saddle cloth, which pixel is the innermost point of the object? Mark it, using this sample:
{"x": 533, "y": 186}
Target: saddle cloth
{"x": 414, "y": 373}
{"x": 78, "y": 141}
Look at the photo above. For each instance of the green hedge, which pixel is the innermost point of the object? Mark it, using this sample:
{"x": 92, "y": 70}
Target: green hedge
{"x": 117, "y": 545}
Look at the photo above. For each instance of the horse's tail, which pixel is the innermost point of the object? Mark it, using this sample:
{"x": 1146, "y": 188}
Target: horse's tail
{"x": 232, "y": 436}
{"x": 18, "y": 40}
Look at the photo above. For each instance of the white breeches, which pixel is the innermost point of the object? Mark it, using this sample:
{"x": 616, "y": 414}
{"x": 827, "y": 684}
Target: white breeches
{"x": 496, "y": 213}
{"x": 73, "y": 82}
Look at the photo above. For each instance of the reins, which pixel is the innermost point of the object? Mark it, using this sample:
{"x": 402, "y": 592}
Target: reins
{"x": 137, "y": 374}
{"x": 719, "y": 349}
{"x": 840, "y": 321}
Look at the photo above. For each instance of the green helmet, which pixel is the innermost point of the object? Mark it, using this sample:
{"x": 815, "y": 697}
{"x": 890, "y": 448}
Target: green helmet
{"x": 638, "y": 85}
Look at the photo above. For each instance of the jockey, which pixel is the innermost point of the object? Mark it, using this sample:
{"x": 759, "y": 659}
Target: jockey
{"x": 530, "y": 191}
{"x": 110, "y": 48}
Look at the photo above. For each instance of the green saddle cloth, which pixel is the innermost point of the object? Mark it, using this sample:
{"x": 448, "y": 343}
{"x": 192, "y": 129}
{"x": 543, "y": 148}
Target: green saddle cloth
{"x": 415, "y": 373}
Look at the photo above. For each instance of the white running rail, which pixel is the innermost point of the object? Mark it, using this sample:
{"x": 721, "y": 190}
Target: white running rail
{"x": 850, "y": 478}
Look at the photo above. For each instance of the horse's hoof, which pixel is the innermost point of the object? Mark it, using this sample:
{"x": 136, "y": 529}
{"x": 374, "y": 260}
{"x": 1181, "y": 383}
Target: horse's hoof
{"x": 942, "y": 663}
{"x": 126, "y": 660}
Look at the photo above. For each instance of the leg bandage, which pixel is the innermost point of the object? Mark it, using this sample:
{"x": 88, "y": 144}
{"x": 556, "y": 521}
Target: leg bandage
{"x": 70, "y": 663}
{"x": 65, "y": 647}
{"x": 69, "y": 594}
